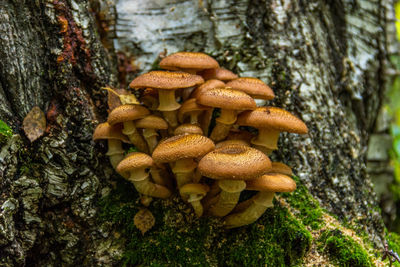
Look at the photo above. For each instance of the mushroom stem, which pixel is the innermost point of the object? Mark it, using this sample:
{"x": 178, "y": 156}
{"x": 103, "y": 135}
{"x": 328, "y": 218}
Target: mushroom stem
{"x": 171, "y": 118}
{"x": 267, "y": 138}
{"x": 143, "y": 185}
{"x": 115, "y": 152}
{"x": 261, "y": 202}
{"x": 151, "y": 138}
{"x": 197, "y": 207}
{"x": 223, "y": 124}
{"x": 168, "y": 106}
{"x": 205, "y": 120}
{"x": 194, "y": 117}
{"x": 134, "y": 136}
{"x": 264, "y": 149}
{"x": 228, "y": 198}
{"x": 160, "y": 177}
{"x": 183, "y": 170}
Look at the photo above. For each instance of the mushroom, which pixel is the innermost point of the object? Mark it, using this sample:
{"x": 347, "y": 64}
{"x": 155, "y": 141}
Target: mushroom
{"x": 149, "y": 98}
{"x": 166, "y": 83}
{"x": 267, "y": 184}
{"x": 149, "y": 124}
{"x": 253, "y": 87}
{"x": 191, "y": 108}
{"x": 231, "y": 142}
{"x": 134, "y": 167}
{"x": 190, "y": 62}
{"x": 270, "y": 121}
{"x": 182, "y": 150}
{"x": 194, "y": 193}
{"x": 126, "y": 114}
{"x": 188, "y": 129}
{"x": 219, "y": 74}
{"x": 231, "y": 166}
{"x": 114, "y": 138}
{"x": 230, "y": 101}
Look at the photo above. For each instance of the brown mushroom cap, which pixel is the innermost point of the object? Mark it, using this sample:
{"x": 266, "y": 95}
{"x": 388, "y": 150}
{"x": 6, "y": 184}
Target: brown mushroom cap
{"x": 234, "y": 162}
{"x": 182, "y": 147}
{"x": 231, "y": 142}
{"x": 252, "y": 86}
{"x": 188, "y": 129}
{"x": 188, "y": 106}
{"x": 227, "y": 99}
{"x": 282, "y": 168}
{"x": 106, "y": 131}
{"x": 133, "y": 161}
{"x": 210, "y": 84}
{"x": 188, "y": 60}
{"x": 272, "y": 118}
{"x": 127, "y": 113}
{"x": 218, "y": 73}
{"x": 272, "y": 182}
{"x": 166, "y": 80}
{"x": 151, "y": 122}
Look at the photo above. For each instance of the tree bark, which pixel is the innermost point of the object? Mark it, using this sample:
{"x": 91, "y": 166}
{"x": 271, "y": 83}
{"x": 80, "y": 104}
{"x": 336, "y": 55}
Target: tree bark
{"x": 325, "y": 60}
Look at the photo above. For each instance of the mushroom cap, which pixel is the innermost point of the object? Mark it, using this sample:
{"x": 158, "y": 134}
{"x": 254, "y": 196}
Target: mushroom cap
{"x": 127, "y": 113}
{"x": 182, "y": 147}
{"x": 198, "y": 189}
{"x": 188, "y": 128}
{"x": 240, "y": 134}
{"x": 231, "y": 142}
{"x": 166, "y": 80}
{"x": 188, "y": 60}
{"x": 234, "y": 162}
{"x": 272, "y": 182}
{"x": 226, "y": 98}
{"x": 272, "y": 118}
{"x": 134, "y": 161}
{"x": 151, "y": 122}
{"x": 282, "y": 168}
{"x": 106, "y": 131}
{"x": 252, "y": 86}
{"x": 210, "y": 84}
{"x": 218, "y": 73}
{"x": 188, "y": 106}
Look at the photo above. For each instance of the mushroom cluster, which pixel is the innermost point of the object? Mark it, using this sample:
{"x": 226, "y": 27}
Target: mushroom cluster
{"x": 187, "y": 123}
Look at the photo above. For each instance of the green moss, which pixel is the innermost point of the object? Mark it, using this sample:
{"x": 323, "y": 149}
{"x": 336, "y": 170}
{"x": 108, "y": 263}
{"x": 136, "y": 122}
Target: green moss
{"x": 178, "y": 238}
{"x": 309, "y": 210}
{"x": 5, "y": 132}
{"x": 342, "y": 249}
{"x": 393, "y": 240}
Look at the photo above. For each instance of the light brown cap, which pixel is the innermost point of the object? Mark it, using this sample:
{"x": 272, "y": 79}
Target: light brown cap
{"x": 188, "y": 60}
{"x": 127, "y": 113}
{"x": 232, "y": 142}
{"x": 188, "y": 106}
{"x": 106, "y": 131}
{"x": 210, "y": 84}
{"x": 151, "y": 122}
{"x": 272, "y": 182}
{"x": 234, "y": 162}
{"x": 188, "y": 128}
{"x": 218, "y": 73}
{"x": 252, "y": 86}
{"x": 240, "y": 135}
{"x": 166, "y": 80}
{"x": 272, "y": 118}
{"x": 282, "y": 168}
{"x": 226, "y": 98}
{"x": 182, "y": 147}
{"x": 133, "y": 161}
{"x": 197, "y": 189}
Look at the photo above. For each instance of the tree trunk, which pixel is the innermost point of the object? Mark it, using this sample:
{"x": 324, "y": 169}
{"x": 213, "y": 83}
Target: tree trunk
{"x": 60, "y": 204}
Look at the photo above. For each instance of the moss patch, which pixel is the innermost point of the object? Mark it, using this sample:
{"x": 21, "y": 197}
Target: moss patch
{"x": 178, "y": 238}
{"x": 393, "y": 240}
{"x": 5, "y": 132}
{"x": 342, "y": 249}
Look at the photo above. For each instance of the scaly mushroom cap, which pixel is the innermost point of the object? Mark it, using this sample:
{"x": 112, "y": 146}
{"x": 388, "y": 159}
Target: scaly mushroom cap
{"x": 227, "y": 99}
{"x": 188, "y": 129}
{"x": 151, "y": 122}
{"x": 272, "y": 118}
{"x": 282, "y": 168}
{"x": 188, "y": 60}
{"x": 106, "y": 131}
{"x": 272, "y": 182}
{"x": 198, "y": 189}
{"x": 182, "y": 147}
{"x": 188, "y": 106}
{"x": 210, "y": 84}
{"x": 132, "y": 162}
{"x": 252, "y": 86}
{"x": 232, "y": 142}
{"x": 127, "y": 113}
{"x": 166, "y": 80}
{"x": 219, "y": 73}
{"x": 234, "y": 162}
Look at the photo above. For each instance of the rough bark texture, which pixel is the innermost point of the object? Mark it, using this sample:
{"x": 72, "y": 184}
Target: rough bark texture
{"x": 325, "y": 60}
